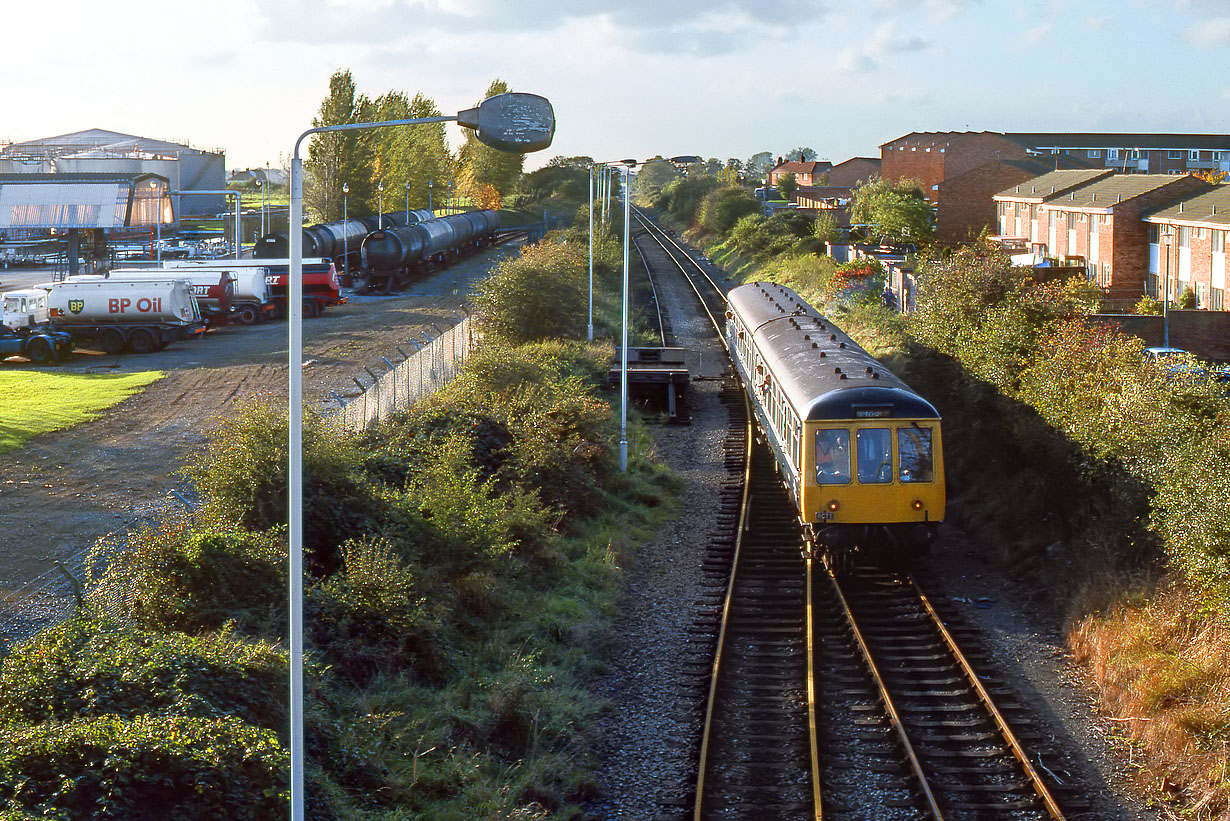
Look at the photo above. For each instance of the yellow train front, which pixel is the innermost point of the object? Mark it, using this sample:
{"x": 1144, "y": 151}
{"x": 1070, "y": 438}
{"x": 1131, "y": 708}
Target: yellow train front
{"x": 859, "y": 451}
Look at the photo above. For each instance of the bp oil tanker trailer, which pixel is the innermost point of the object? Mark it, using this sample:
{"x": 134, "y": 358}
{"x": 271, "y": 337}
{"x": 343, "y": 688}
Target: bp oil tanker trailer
{"x": 122, "y": 315}
{"x": 224, "y": 292}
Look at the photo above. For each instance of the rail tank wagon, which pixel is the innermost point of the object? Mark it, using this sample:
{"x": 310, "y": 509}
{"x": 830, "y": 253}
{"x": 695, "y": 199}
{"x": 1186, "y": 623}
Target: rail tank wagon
{"x": 391, "y": 255}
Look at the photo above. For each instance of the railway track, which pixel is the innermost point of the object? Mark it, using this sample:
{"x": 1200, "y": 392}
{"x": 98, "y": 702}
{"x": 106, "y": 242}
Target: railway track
{"x": 841, "y": 698}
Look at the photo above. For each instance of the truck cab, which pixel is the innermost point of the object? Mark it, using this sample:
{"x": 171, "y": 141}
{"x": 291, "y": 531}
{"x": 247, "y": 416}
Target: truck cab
{"x": 26, "y": 308}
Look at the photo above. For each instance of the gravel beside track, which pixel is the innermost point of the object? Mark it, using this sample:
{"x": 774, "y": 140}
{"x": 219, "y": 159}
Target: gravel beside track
{"x": 650, "y": 734}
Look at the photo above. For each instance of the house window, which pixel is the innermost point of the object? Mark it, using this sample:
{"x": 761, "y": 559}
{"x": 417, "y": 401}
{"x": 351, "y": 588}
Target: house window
{"x": 1193, "y": 155}
{"x": 1184, "y": 236}
{"x": 1093, "y": 153}
{"x": 1136, "y": 153}
{"x": 1199, "y": 233}
{"x": 1112, "y": 153}
{"x": 1215, "y": 156}
{"x": 1106, "y": 219}
{"x": 1216, "y": 295}
{"x": 1219, "y": 242}
{"x": 1082, "y": 217}
{"x": 1174, "y": 155}
{"x": 1153, "y": 238}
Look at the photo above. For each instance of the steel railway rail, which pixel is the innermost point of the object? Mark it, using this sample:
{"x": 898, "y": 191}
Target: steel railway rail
{"x": 833, "y": 703}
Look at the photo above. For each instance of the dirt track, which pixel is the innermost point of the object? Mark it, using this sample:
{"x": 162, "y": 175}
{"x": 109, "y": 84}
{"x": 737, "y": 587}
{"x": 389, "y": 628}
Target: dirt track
{"x": 64, "y": 490}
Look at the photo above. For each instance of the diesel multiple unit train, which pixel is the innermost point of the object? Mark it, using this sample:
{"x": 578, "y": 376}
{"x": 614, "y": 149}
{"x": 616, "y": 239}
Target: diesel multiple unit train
{"x": 389, "y": 248}
{"x": 859, "y": 451}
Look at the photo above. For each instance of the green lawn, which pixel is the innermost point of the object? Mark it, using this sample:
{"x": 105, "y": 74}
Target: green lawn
{"x": 34, "y": 402}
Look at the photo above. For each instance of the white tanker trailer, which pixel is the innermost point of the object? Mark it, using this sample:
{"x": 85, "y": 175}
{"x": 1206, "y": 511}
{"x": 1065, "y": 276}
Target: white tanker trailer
{"x": 240, "y": 293}
{"x": 137, "y": 316}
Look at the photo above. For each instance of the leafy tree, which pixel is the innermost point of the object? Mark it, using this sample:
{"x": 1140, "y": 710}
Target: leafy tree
{"x": 826, "y": 228}
{"x": 758, "y": 165}
{"x": 802, "y": 154}
{"x": 892, "y": 211}
{"x": 654, "y": 176}
{"x": 484, "y": 165}
{"x": 338, "y": 158}
{"x": 1188, "y": 299}
{"x": 564, "y": 177}
{"x": 788, "y": 184}
{"x": 728, "y": 177}
{"x": 724, "y": 207}
{"x": 734, "y": 164}
{"x": 685, "y": 196}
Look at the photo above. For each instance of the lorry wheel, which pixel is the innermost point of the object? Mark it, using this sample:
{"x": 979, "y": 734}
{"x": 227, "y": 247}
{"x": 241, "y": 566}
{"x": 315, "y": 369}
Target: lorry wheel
{"x": 39, "y": 351}
{"x": 112, "y": 341}
{"x": 247, "y": 315}
{"x": 142, "y": 341}
{"x": 310, "y": 308}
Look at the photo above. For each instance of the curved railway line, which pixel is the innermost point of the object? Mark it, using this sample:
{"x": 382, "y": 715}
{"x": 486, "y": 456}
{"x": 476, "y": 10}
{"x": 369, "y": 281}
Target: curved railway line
{"x": 839, "y": 696}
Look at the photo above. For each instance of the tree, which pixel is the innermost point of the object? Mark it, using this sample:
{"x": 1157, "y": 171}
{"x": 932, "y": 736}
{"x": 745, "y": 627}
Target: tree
{"x": 892, "y": 211}
{"x": 339, "y": 158}
{"x": 788, "y": 184}
{"x": 723, "y": 207}
{"x": 758, "y": 165}
{"x": 655, "y": 175}
{"x": 803, "y": 154}
{"x": 484, "y": 165}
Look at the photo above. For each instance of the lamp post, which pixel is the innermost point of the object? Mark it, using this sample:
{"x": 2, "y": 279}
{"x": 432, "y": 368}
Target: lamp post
{"x": 1166, "y": 240}
{"x": 517, "y": 123}
{"x": 407, "y": 202}
{"x": 380, "y": 206}
{"x": 430, "y": 185}
{"x": 260, "y": 186}
{"x": 345, "y": 229}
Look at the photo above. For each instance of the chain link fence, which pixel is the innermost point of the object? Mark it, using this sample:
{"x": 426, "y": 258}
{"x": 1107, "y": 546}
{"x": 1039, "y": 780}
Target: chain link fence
{"x": 424, "y": 370}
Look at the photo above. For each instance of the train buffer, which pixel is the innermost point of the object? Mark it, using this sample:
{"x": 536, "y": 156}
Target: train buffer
{"x": 652, "y": 369}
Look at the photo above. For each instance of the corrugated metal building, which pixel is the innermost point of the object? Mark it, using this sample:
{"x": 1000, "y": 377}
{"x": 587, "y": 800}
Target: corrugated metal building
{"x": 108, "y": 152}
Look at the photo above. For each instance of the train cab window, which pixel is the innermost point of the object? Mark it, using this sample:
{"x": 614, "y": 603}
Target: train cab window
{"x": 914, "y": 451}
{"x": 832, "y": 457}
{"x": 875, "y": 455}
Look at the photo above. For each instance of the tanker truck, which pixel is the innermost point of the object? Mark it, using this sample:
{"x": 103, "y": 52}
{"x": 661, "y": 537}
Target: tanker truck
{"x": 321, "y": 287}
{"x": 21, "y": 334}
{"x": 224, "y": 293}
{"x": 119, "y": 315}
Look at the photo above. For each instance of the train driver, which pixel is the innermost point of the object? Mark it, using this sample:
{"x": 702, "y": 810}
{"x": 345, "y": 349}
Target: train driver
{"x": 833, "y": 456}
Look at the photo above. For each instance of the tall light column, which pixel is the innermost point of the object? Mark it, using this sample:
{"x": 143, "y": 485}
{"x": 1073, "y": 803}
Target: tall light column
{"x": 590, "y": 335}
{"x": 623, "y": 358}
{"x": 516, "y": 123}
{"x": 345, "y": 229}
{"x": 407, "y": 202}
{"x": 380, "y": 207}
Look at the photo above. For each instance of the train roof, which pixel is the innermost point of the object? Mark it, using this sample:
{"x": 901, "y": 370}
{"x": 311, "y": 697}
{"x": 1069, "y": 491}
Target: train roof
{"x": 823, "y": 373}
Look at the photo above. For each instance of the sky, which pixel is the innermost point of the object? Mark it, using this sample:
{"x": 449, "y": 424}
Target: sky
{"x": 627, "y": 78}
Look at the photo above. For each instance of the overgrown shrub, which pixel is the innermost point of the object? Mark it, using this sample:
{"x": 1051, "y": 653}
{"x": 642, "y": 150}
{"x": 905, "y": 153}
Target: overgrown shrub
{"x": 177, "y": 578}
{"x": 241, "y": 474}
{"x": 683, "y": 197}
{"x": 92, "y": 667}
{"x": 148, "y": 768}
{"x": 723, "y": 207}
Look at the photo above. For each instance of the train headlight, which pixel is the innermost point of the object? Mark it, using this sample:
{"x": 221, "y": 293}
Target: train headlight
{"x": 832, "y": 506}
{"x": 917, "y": 504}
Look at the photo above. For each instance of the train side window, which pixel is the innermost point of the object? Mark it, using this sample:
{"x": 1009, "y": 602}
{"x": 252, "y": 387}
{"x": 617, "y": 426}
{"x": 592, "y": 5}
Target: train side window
{"x": 832, "y": 457}
{"x": 914, "y": 451}
{"x": 875, "y": 455}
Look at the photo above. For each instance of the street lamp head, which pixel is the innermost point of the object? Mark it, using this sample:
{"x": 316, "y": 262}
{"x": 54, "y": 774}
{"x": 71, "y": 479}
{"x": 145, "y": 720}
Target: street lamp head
{"x": 686, "y": 158}
{"x": 628, "y": 163}
{"x": 380, "y": 185}
{"x": 516, "y": 122}
{"x": 345, "y": 188}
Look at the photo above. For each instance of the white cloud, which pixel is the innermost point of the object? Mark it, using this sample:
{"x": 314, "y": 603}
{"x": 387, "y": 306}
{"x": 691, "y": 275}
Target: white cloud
{"x": 1038, "y": 35}
{"x": 1211, "y": 33}
{"x": 937, "y": 9}
{"x": 886, "y": 41}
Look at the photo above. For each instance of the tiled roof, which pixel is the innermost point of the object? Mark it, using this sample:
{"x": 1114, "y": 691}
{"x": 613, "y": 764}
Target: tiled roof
{"x": 1209, "y": 207}
{"x": 1113, "y": 189}
{"x": 798, "y": 167}
{"x": 1054, "y": 183}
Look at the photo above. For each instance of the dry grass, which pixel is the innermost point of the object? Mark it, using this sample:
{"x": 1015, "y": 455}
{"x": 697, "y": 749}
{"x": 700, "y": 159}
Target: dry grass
{"x": 1163, "y": 672}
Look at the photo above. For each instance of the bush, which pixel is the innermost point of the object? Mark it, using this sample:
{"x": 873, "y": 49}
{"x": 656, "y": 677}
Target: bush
{"x": 684, "y": 196}
{"x": 174, "y": 578}
{"x": 540, "y": 294}
{"x": 152, "y": 768}
{"x": 241, "y": 473}
{"x": 723, "y": 207}
{"x": 92, "y": 667}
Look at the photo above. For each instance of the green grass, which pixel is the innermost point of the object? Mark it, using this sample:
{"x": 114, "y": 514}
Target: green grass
{"x": 34, "y": 402}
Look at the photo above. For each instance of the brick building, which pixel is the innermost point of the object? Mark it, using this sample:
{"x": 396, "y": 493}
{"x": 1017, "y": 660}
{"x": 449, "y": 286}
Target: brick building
{"x": 1017, "y": 207}
{"x": 805, "y": 173}
{"x": 1187, "y": 248}
{"x": 966, "y": 202}
{"x": 1137, "y": 153}
{"x": 1099, "y": 224}
{"x": 853, "y": 171}
{"x": 932, "y": 157}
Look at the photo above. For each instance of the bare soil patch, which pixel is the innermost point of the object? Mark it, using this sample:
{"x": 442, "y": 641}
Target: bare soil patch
{"x": 64, "y": 490}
